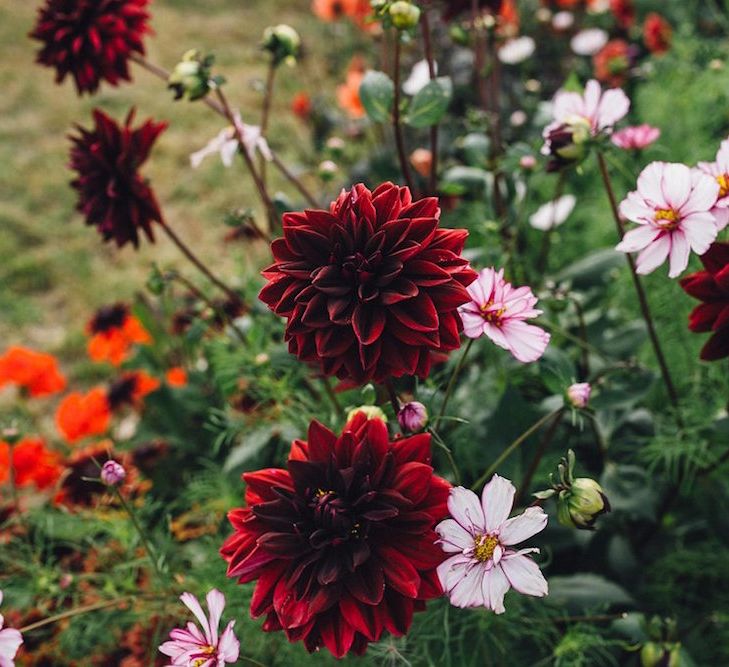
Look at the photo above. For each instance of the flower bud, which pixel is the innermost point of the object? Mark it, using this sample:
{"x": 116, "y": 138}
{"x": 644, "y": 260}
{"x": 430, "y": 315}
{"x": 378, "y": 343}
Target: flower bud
{"x": 578, "y": 394}
{"x": 654, "y": 654}
{"x": 327, "y": 170}
{"x": 404, "y": 15}
{"x": 412, "y": 417}
{"x": 581, "y": 504}
{"x": 370, "y": 411}
{"x": 567, "y": 144}
{"x": 527, "y": 162}
{"x": 191, "y": 76}
{"x": 336, "y": 146}
{"x": 113, "y": 473}
{"x": 283, "y": 43}
{"x": 422, "y": 161}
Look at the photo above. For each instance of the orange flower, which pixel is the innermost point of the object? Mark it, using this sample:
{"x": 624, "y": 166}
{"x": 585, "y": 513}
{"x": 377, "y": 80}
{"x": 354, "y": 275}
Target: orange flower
{"x": 334, "y": 10}
{"x": 348, "y": 92}
{"x": 114, "y": 330}
{"x": 81, "y": 415}
{"x": 508, "y": 20}
{"x": 301, "y": 105}
{"x": 36, "y": 372}
{"x": 612, "y": 62}
{"x": 131, "y": 388}
{"x": 33, "y": 463}
{"x": 176, "y": 377}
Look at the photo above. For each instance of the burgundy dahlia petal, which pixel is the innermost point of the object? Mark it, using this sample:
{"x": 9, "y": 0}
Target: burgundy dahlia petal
{"x": 371, "y": 287}
{"x": 91, "y": 40}
{"x": 711, "y": 286}
{"x": 341, "y": 544}
{"x": 112, "y": 194}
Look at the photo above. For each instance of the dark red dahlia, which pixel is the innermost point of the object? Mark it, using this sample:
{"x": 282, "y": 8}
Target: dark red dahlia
{"x": 112, "y": 194}
{"x": 108, "y": 318}
{"x": 712, "y": 287}
{"x": 371, "y": 287}
{"x": 341, "y": 543}
{"x": 91, "y": 39}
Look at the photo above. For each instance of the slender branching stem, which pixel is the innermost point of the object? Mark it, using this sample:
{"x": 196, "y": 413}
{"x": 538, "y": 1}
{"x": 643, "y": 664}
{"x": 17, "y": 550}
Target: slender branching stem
{"x": 452, "y": 383}
{"x": 396, "y": 122}
{"x": 333, "y": 398}
{"x": 266, "y": 113}
{"x": 538, "y": 455}
{"x": 428, "y": 46}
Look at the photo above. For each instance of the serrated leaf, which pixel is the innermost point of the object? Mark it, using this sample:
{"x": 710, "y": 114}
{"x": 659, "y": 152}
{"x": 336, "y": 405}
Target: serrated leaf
{"x": 377, "y": 92}
{"x": 430, "y": 104}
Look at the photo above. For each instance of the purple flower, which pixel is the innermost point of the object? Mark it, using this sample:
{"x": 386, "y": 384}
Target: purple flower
{"x": 113, "y": 473}
{"x": 10, "y": 642}
{"x": 412, "y": 417}
{"x": 205, "y": 648}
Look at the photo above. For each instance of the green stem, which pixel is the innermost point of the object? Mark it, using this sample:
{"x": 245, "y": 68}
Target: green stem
{"x": 543, "y": 259}
{"x": 513, "y": 447}
{"x": 265, "y": 115}
{"x": 538, "y": 455}
{"x": 428, "y": 46}
{"x": 452, "y": 384}
{"x": 449, "y": 454}
{"x": 329, "y": 390}
{"x": 396, "y": 124}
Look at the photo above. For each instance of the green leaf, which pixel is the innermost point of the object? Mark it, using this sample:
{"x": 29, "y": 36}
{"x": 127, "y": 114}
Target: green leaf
{"x": 581, "y": 592}
{"x": 593, "y": 270}
{"x": 466, "y": 180}
{"x": 377, "y": 92}
{"x": 430, "y": 104}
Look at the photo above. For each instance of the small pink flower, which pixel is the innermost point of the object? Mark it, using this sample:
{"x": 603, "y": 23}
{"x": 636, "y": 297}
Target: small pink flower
{"x": 719, "y": 171}
{"x": 673, "y": 207}
{"x": 636, "y": 137}
{"x": 113, "y": 473}
{"x": 203, "y": 649}
{"x": 498, "y": 310}
{"x": 480, "y": 535}
{"x": 412, "y": 417}
{"x": 578, "y": 394}
{"x": 10, "y": 642}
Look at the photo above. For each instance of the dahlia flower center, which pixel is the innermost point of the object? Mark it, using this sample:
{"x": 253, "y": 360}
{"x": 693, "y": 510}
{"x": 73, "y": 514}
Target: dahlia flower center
{"x": 723, "y": 181}
{"x": 667, "y": 218}
{"x": 333, "y": 515}
{"x": 484, "y": 547}
{"x": 363, "y": 272}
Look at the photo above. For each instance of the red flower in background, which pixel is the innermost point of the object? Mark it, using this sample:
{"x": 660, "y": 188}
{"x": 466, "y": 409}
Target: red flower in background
{"x": 113, "y": 196}
{"x": 176, "y": 377}
{"x": 114, "y": 330}
{"x": 130, "y": 389}
{"x": 712, "y": 287}
{"x": 371, "y": 287}
{"x": 33, "y": 463}
{"x": 612, "y": 63}
{"x": 82, "y": 415}
{"x": 35, "y": 372}
{"x": 348, "y": 92}
{"x": 341, "y": 543}
{"x": 301, "y": 105}
{"x": 334, "y": 10}
{"x": 624, "y": 12}
{"x": 657, "y": 33}
{"x": 92, "y": 40}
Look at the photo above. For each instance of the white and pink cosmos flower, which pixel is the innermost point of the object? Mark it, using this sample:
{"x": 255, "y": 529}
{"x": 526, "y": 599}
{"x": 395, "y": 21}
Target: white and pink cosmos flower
{"x": 203, "y": 648}
{"x": 672, "y": 205}
{"x": 719, "y": 171}
{"x": 481, "y": 537}
{"x": 499, "y": 311}
{"x": 636, "y": 137}
{"x": 10, "y": 641}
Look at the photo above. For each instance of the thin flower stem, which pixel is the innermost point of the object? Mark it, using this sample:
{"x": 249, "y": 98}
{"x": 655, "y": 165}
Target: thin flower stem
{"x": 396, "y": 124}
{"x": 538, "y": 455}
{"x": 479, "y": 64}
{"x": 266, "y": 113}
{"x": 428, "y": 46}
{"x": 185, "y": 250}
{"x": 513, "y": 447}
{"x": 642, "y": 298}
{"x": 543, "y": 259}
{"x": 449, "y": 454}
{"x": 332, "y": 395}
{"x": 392, "y": 394}
{"x": 452, "y": 383}
{"x": 151, "y": 553}
{"x": 294, "y": 180}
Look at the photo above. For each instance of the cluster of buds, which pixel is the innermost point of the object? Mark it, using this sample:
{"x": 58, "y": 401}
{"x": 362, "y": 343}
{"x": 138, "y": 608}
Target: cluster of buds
{"x": 192, "y": 76}
{"x": 580, "y": 500}
{"x": 283, "y": 43}
{"x": 401, "y": 14}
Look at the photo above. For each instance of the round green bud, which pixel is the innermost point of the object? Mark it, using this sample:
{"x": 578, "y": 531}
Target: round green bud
{"x": 404, "y": 15}
{"x": 282, "y": 42}
{"x": 581, "y": 504}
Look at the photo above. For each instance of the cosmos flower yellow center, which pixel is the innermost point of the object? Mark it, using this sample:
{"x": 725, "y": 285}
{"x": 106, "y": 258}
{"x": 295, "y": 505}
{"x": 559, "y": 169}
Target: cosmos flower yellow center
{"x": 723, "y": 182}
{"x": 667, "y": 218}
{"x": 484, "y": 547}
{"x": 207, "y": 650}
{"x": 489, "y": 314}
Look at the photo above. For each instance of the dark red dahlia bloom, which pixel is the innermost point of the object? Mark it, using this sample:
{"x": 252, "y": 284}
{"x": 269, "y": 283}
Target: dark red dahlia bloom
{"x": 341, "y": 543}
{"x": 371, "y": 287}
{"x": 712, "y": 287}
{"x": 112, "y": 194}
{"x": 91, "y": 39}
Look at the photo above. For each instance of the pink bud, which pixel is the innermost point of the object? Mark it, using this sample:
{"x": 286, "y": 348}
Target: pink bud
{"x": 113, "y": 473}
{"x": 579, "y": 394}
{"x": 527, "y": 162}
{"x": 412, "y": 417}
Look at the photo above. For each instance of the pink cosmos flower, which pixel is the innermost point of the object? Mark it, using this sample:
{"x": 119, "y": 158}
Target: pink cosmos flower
{"x": 498, "y": 310}
{"x": 203, "y": 649}
{"x": 719, "y": 171}
{"x": 10, "y": 642}
{"x": 480, "y": 535}
{"x": 636, "y": 137}
{"x": 673, "y": 207}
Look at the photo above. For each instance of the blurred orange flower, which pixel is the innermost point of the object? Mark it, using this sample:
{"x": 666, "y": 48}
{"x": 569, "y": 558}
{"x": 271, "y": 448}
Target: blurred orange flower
{"x": 612, "y": 62}
{"x": 176, "y": 377}
{"x": 81, "y": 415}
{"x": 131, "y": 388}
{"x": 334, "y": 10}
{"x": 33, "y": 463}
{"x": 36, "y": 372}
{"x": 348, "y": 92}
{"x": 114, "y": 330}
{"x": 301, "y": 105}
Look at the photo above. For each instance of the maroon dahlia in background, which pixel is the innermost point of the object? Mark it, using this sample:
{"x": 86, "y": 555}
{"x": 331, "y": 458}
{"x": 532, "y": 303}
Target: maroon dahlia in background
{"x": 712, "y": 287}
{"x": 371, "y": 287}
{"x": 341, "y": 543}
{"x": 113, "y": 196}
{"x": 92, "y": 40}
